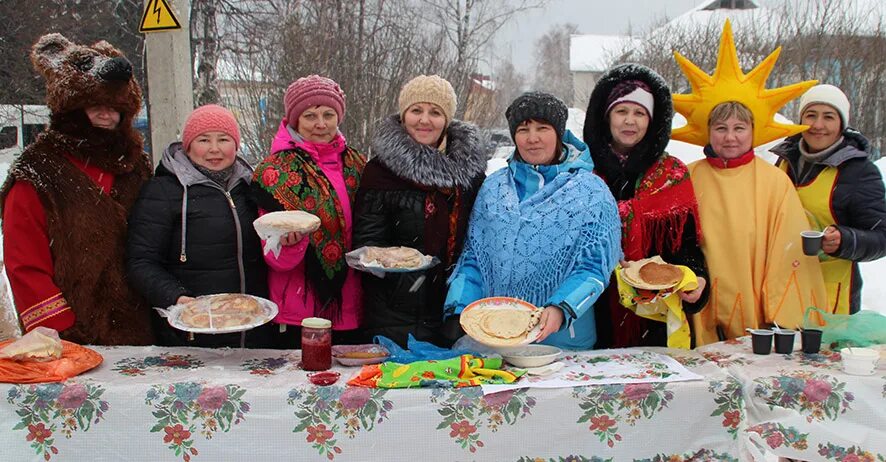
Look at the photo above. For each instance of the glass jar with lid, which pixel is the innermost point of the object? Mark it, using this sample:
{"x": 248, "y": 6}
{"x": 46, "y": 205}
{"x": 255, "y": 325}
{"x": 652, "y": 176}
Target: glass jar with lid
{"x": 316, "y": 344}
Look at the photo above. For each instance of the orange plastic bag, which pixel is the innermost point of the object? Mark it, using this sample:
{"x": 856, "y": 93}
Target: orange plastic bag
{"x": 75, "y": 360}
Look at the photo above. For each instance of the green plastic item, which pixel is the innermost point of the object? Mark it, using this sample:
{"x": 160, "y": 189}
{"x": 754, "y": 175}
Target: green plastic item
{"x": 861, "y": 329}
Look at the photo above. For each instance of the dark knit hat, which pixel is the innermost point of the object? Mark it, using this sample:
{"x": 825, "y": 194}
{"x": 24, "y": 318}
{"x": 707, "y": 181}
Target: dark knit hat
{"x": 538, "y": 106}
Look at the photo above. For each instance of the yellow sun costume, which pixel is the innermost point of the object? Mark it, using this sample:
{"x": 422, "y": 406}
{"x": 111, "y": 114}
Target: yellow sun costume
{"x": 750, "y": 213}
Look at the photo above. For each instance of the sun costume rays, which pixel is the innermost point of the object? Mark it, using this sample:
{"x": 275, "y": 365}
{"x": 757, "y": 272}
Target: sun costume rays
{"x": 749, "y": 211}
{"x": 729, "y": 83}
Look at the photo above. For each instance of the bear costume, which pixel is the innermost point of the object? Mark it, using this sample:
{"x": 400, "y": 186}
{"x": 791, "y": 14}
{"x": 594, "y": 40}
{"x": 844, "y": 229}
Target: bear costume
{"x": 66, "y": 201}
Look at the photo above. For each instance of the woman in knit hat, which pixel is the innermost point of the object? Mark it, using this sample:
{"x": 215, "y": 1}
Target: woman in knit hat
{"x": 312, "y": 168}
{"x": 418, "y": 191}
{"x": 840, "y": 188}
{"x": 190, "y": 231}
{"x": 544, "y": 230}
{"x": 628, "y": 126}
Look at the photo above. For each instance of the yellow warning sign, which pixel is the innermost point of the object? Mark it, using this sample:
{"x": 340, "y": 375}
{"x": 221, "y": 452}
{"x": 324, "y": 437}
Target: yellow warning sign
{"x": 158, "y": 16}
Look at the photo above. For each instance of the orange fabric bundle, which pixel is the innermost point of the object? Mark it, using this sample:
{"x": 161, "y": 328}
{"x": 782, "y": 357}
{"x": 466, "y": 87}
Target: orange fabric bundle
{"x": 75, "y": 360}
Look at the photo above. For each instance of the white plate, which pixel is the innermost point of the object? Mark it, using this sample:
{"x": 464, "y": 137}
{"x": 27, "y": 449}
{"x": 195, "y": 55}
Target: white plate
{"x": 172, "y": 314}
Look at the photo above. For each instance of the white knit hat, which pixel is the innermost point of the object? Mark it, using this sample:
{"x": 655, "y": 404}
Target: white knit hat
{"x": 830, "y": 95}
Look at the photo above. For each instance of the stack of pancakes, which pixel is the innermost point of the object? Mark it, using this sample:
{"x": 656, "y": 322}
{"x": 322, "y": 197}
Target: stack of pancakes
{"x": 500, "y": 325}
{"x": 652, "y": 274}
{"x": 288, "y": 221}
{"x": 393, "y": 257}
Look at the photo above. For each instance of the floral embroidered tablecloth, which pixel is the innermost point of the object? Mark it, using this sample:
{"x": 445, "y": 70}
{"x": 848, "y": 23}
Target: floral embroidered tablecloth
{"x": 804, "y": 406}
{"x": 190, "y": 404}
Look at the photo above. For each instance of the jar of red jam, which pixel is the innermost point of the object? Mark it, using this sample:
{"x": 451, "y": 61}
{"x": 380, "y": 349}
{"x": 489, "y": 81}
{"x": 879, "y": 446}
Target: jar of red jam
{"x": 316, "y": 344}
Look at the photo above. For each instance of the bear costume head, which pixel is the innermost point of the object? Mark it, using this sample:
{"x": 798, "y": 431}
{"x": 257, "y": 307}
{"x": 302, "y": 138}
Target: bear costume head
{"x": 79, "y": 76}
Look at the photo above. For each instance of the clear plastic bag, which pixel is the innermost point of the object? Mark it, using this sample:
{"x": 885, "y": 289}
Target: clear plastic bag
{"x": 418, "y": 350}
{"x": 861, "y": 329}
{"x": 41, "y": 344}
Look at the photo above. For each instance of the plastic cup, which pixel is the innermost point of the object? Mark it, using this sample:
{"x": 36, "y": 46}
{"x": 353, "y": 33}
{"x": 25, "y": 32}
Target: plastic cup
{"x": 784, "y": 341}
{"x": 859, "y": 361}
{"x": 811, "y": 242}
{"x": 811, "y": 340}
{"x": 761, "y": 341}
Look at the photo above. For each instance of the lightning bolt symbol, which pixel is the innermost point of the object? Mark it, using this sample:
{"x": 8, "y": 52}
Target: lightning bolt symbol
{"x": 157, "y": 9}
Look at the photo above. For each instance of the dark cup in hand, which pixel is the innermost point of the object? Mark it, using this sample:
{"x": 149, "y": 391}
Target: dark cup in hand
{"x": 811, "y": 242}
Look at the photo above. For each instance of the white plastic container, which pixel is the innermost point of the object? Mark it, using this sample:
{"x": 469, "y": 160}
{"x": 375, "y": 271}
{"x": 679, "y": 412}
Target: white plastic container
{"x": 859, "y": 361}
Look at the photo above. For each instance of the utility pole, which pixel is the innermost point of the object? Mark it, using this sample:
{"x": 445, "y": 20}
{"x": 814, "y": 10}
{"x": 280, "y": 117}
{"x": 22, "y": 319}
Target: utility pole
{"x": 168, "y": 67}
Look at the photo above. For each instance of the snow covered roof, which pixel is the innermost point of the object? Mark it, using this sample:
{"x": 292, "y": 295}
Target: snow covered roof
{"x": 870, "y": 14}
{"x": 712, "y": 13}
{"x": 594, "y": 53}
{"x": 483, "y": 81}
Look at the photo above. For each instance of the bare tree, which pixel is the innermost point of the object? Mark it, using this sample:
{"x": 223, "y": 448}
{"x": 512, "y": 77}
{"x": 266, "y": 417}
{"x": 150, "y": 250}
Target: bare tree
{"x": 552, "y": 73}
{"x": 469, "y": 25}
{"x": 504, "y": 85}
{"x": 113, "y": 20}
{"x": 841, "y": 46}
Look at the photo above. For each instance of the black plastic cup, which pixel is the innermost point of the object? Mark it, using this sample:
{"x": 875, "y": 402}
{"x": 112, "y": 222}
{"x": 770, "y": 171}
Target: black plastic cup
{"x": 811, "y": 242}
{"x": 761, "y": 341}
{"x": 784, "y": 341}
{"x": 811, "y": 340}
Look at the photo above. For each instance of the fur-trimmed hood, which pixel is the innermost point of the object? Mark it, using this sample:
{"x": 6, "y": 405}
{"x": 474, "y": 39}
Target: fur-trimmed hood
{"x": 463, "y": 161}
{"x": 658, "y": 134}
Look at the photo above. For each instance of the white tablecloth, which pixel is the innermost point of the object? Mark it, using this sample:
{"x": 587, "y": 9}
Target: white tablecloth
{"x": 153, "y": 403}
{"x": 804, "y": 406}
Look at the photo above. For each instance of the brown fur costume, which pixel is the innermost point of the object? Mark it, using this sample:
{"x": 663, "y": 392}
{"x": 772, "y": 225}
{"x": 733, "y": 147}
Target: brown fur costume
{"x": 86, "y": 227}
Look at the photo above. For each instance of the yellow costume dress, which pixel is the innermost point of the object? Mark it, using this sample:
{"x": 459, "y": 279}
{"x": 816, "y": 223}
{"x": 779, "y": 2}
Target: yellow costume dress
{"x": 752, "y": 218}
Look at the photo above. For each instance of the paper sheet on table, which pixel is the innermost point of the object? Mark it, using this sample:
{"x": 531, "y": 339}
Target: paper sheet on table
{"x": 605, "y": 367}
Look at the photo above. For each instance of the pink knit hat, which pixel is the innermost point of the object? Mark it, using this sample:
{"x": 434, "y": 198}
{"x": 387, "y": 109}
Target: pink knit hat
{"x": 310, "y": 91}
{"x": 210, "y": 118}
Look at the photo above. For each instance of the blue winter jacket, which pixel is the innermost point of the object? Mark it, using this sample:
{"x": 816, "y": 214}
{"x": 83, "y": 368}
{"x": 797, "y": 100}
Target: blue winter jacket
{"x": 549, "y": 235}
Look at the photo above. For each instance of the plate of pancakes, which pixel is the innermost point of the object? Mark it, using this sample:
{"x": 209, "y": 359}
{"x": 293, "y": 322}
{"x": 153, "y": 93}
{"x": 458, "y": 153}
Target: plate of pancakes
{"x": 501, "y": 321}
{"x": 652, "y": 274}
{"x": 389, "y": 259}
{"x": 221, "y": 313}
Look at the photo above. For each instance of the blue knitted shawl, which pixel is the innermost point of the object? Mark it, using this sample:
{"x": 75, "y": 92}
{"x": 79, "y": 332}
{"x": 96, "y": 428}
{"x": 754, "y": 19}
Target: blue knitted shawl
{"x": 549, "y": 235}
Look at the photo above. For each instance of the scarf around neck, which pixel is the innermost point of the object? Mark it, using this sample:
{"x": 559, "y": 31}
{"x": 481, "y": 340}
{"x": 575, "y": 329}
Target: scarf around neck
{"x": 294, "y": 180}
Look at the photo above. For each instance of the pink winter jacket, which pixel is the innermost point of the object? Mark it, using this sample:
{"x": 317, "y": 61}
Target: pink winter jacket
{"x": 286, "y": 273}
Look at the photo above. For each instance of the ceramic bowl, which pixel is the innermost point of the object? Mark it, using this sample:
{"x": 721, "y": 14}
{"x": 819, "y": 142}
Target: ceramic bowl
{"x": 533, "y": 355}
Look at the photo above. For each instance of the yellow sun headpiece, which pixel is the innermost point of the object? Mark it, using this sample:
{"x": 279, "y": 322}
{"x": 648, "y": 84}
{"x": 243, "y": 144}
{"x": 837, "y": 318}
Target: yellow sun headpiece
{"x": 729, "y": 83}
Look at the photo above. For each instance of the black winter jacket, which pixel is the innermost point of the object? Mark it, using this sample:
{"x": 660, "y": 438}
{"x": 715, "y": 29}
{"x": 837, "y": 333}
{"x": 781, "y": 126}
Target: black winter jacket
{"x": 858, "y": 200}
{"x": 391, "y": 210}
{"x": 221, "y": 254}
{"x": 622, "y": 180}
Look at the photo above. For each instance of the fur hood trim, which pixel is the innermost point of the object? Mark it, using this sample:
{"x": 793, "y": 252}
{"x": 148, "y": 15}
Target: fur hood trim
{"x": 464, "y": 158}
{"x": 658, "y": 133}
